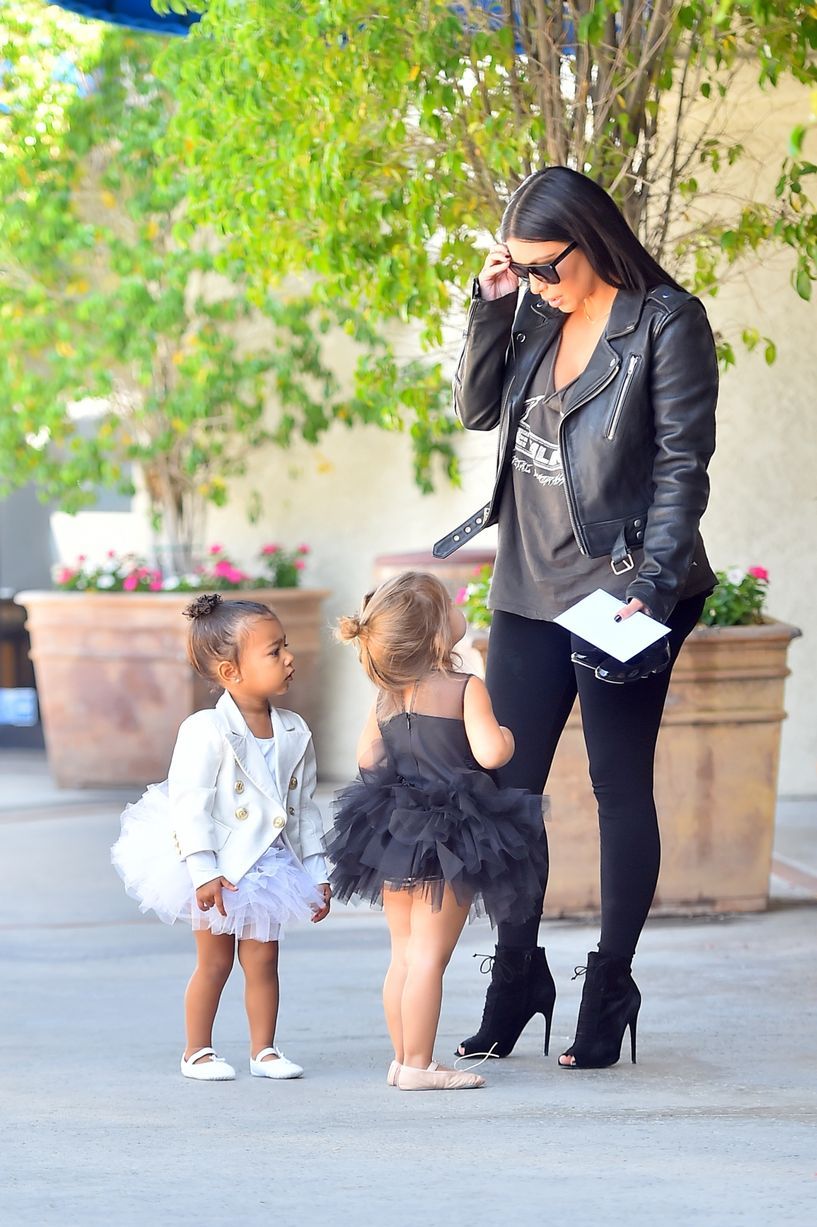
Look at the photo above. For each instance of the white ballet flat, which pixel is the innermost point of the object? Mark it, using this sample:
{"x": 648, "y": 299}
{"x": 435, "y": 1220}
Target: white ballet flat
{"x": 282, "y": 1068}
{"x": 214, "y": 1070}
{"x": 391, "y": 1076}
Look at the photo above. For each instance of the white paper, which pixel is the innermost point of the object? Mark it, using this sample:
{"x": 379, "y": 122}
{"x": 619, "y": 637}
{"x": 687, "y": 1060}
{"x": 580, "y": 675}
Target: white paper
{"x": 593, "y": 619}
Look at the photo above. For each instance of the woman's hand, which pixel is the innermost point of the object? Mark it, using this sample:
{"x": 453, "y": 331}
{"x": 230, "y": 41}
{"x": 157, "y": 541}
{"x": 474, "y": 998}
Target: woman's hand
{"x": 210, "y": 895}
{"x": 320, "y": 913}
{"x": 632, "y": 606}
{"x": 495, "y": 278}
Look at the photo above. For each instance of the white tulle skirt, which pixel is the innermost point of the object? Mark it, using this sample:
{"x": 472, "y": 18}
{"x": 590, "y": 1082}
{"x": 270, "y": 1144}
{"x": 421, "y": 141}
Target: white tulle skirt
{"x": 275, "y": 892}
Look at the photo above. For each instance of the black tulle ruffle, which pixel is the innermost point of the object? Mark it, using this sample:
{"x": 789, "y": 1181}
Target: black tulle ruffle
{"x": 486, "y": 843}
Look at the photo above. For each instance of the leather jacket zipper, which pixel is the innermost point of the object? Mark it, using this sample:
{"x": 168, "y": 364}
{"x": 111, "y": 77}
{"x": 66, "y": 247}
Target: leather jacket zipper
{"x": 578, "y": 532}
{"x": 469, "y": 319}
{"x": 612, "y": 423}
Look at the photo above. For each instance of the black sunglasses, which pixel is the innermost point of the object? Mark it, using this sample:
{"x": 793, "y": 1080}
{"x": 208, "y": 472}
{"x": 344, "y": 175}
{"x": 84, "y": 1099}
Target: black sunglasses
{"x": 544, "y": 272}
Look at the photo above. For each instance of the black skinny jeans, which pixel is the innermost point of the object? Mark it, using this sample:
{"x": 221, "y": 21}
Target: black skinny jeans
{"x": 533, "y": 685}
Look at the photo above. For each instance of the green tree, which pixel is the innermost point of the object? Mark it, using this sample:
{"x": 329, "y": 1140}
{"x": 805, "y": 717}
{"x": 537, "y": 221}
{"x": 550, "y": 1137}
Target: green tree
{"x": 101, "y": 303}
{"x": 375, "y": 146}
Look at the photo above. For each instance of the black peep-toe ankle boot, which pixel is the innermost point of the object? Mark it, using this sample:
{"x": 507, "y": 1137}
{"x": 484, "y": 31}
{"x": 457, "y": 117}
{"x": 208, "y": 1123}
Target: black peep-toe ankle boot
{"x": 521, "y": 986}
{"x": 610, "y": 1004}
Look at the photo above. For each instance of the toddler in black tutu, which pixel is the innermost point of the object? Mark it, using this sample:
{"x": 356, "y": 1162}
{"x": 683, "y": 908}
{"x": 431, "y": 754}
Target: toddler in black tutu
{"x": 423, "y": 828}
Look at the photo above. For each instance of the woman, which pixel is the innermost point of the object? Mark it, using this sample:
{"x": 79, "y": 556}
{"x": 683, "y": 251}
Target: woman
{"x": 603, "y": 380}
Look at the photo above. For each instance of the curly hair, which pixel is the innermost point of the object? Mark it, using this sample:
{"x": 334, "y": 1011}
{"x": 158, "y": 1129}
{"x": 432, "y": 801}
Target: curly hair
{"x": 217, "y": 628}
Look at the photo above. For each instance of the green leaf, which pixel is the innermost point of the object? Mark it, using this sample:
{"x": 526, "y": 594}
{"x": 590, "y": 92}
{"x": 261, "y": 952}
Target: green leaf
{"x": 796, "y": 138}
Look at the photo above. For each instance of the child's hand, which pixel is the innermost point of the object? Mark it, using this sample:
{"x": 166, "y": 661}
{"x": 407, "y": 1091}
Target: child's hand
{"x": 320, "y": 913}
{"x": 209, "y": 895}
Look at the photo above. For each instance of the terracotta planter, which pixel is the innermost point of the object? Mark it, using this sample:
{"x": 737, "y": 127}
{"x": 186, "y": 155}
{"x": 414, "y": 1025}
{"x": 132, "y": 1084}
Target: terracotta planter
{"x": 454, "y": 572}
{"x": 114, "y": 682}
{"x": 715, "y": 780}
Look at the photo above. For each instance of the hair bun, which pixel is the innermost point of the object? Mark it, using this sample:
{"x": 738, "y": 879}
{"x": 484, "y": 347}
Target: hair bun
{"x": 348, "y": 628}
{"x": 202, "y": 606}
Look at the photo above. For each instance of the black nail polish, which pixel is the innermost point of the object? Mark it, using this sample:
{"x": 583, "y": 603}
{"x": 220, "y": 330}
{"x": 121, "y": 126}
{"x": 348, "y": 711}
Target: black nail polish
{"x": 617, "y": 618}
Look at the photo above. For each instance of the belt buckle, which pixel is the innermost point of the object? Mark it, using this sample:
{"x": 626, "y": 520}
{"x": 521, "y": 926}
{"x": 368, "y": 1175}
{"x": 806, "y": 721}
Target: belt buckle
{"x": 623, "y": 566}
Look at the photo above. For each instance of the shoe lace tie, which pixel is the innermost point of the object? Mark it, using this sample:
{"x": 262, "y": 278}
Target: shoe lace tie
{"x": 492, "y": 966}
{"x": 484, "y": 1056}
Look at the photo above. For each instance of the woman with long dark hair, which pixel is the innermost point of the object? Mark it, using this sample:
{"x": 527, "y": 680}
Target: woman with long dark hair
{"x": 602, "y": 378}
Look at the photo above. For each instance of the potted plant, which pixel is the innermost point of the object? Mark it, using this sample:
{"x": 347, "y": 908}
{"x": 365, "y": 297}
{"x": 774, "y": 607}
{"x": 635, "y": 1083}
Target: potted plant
{"x": 716, "y": 762}
{"x": 109, "y": 654}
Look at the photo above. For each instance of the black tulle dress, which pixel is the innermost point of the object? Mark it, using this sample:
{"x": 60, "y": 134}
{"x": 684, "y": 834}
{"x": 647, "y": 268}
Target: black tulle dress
{"x": 426, "y": 815}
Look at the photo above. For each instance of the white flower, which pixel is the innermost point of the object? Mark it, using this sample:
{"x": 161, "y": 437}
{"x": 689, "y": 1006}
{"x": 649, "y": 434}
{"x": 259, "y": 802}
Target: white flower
{"x": 192, "y": 581}
{"x": 105, "y": 581}
{"x": 736, "y": 575}
{"x": 170, "y": 582}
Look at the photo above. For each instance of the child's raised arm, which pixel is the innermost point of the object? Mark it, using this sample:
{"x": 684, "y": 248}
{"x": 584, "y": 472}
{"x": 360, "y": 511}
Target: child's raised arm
{"x": 492, "y": 744}
{"x": 369, "y": 741}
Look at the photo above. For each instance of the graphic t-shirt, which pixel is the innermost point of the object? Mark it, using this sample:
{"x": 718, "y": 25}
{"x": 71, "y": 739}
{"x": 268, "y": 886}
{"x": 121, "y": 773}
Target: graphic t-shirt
{"x": 540, "y": 571}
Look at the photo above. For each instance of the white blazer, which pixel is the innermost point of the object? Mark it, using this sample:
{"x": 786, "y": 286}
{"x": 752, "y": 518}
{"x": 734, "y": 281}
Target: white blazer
{"x": 223, "y": 800}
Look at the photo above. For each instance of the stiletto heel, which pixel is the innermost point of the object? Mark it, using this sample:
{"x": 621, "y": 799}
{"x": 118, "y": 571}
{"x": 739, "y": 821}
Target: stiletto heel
{"x": 521, "y": 987}
{"x": 610, "y": 1004}
{"x": 548, "y": 1021}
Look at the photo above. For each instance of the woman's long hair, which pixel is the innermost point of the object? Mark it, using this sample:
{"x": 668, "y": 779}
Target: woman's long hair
{"x": 560, "y": 205}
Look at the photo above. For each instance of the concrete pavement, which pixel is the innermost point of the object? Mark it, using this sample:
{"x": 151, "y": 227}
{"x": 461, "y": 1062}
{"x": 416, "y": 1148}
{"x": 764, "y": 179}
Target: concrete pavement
{"x": 715, "y": 1125}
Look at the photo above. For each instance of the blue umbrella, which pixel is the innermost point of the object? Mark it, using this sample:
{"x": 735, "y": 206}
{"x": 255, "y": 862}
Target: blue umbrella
{"x": 138, "y": 14}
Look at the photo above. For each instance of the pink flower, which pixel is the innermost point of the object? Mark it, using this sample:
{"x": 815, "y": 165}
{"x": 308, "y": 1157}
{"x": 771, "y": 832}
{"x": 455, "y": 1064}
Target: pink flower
{"x": 235, "y": 576}
{"x": 299, "y": 564}
{"x": 758, "y": 573}
{"x": 111, "y": 554}
{"x": 215, "y": 549}
{"x": 82, "y": 557}
{"x": 304, "y": 549}
{"x": 224, "y": 568}
{"x": 155, "y": 585}
{"x": 65, "y": 575}
{"x": 130, "y": 582}
{"x": 271, "y": 549}
{"x": 461, "y": 597}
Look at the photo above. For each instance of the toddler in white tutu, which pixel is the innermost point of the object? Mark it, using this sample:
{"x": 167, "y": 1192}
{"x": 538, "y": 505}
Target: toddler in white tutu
{"x": 232, "y": 842}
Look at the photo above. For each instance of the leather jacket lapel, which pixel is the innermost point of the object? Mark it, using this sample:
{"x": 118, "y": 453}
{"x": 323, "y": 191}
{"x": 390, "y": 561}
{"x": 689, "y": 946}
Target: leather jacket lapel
{"x": 599, "y": 372}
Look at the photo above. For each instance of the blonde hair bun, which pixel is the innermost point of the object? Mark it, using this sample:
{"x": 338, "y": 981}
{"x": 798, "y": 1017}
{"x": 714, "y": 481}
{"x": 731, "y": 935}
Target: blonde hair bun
{"x": 348, "y": 628}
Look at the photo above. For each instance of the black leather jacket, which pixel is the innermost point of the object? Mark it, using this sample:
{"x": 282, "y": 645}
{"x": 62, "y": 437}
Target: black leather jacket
{"x": 636, "y": 435}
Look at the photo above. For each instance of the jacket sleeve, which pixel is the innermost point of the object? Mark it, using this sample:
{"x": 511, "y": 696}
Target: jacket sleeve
{"x": 310, "y": 822}
{"x": 480, "y": 372}
{"x": 191, "y": 786}
{"x": 684, "y": 388}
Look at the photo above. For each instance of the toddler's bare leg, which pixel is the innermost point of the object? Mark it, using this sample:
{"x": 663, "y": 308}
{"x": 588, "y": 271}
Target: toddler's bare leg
{"x": 397, "y": 906}
{"x": 213, "y": 966}
{"x": 260, "y": 963}
{"x": 433, "y": 938}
